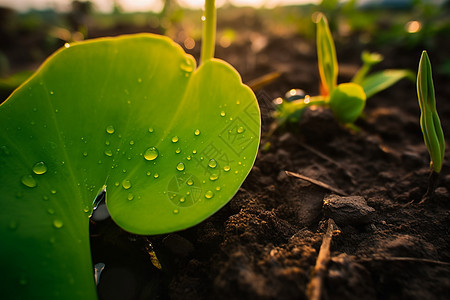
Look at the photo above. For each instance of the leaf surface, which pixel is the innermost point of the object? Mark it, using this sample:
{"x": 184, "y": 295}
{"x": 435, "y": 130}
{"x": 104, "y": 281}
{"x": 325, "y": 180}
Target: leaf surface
{"x": 171, "y": 144}
{"x": 381, "y": 80}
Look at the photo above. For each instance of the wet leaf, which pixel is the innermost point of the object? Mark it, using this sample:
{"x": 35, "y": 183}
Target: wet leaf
{"x": 124, "y": 113}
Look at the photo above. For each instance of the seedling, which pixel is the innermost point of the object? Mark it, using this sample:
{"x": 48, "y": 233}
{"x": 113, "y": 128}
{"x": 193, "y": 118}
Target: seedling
{"x": 429, "y": 121}
{"x": 346, "y": 100}
{"x": 171, "y": 143}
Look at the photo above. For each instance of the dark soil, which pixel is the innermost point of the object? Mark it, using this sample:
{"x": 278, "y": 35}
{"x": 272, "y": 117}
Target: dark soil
{"x": 265, "y": 242}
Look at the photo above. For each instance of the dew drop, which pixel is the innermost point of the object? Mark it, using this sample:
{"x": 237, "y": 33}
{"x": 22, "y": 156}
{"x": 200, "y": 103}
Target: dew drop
{"x": 197, "y": 132}
{"x": 149, "y": 173}
{"x": 107, "y": 143}
{"x": 110, "y": 129}
{"x": 45, "y": 198}
{"x": 67, "y": 45}
{"x": 218, "y": 188}
{"x": 150, "y": 129}
{"x": 212, "y": 163}
{"x": 130, "y": 196}
{"x": 39, "y": 168}
{"x": 194, "y": 151}
{"x": 156, "y": 175}
{"x": 190, "y": 182}
{"x": 175, "y": 211}
{"x": 53, "y": 192}
{"x": 85, "y": 154}
{"x": 238, "y": 102}
{"x": 240, "y": 129}
{"x": 222, "y": 113}
{"x": 126, "y": 184}
{"x": 178, "y": 151}
{"x": 175, "y": 139}
{"x": 189, "y": 157}
{"x": 151, "y": 153}
{"x": 187, "y": 66}
{"x": 227, "y": 168}
{"x": 58, "y": 223}
{"x": 139, "y": 80}
{"x": 182, "y": 200}
{"x": 180, "y": 166}
{"x": 51, "y": 211}
{"x": 52, "y": 92}
{"x": 108, "y": 152}
{"x": 213, "y": 177}
{"x": 209, "y": 194}
{"x": 131, "y": 142}
{"x": 29, "y": 181}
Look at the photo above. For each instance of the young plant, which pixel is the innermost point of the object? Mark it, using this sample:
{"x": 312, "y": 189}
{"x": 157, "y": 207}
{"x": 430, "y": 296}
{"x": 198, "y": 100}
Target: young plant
{"x": 346, "y": 100}
{"x": 429, "y": 121}
{"x": 171, "y": 143}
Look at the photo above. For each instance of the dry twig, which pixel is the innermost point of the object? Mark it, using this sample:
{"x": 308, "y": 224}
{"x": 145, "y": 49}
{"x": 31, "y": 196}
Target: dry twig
{"x": 317, "y": 182}
{"x": 315, "y": 286}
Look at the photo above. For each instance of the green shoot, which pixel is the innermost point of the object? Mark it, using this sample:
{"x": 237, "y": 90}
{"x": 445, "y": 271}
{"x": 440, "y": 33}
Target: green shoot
{"x": 429, "y": 119}
{"x": 346, "y": 101}
{"x": 326, "y": 55}
{"x": 209, "y": 32}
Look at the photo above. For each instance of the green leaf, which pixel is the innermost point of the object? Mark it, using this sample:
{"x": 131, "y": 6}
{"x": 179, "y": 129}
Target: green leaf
{"x": 369, "y": 60}
{"x": 326, "y": 54}
{"x": 94, "y": 115}
{"x": 347, "y": 102}
{"x": 429, "y": 119}
{"x": 381, "y": 80}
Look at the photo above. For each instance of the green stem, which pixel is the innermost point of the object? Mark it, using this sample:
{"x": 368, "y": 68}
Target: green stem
{"x": 209, "y": 32}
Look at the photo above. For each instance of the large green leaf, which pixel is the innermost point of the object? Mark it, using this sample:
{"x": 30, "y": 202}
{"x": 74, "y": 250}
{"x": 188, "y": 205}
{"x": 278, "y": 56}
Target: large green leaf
{"x": 93, "y": 116}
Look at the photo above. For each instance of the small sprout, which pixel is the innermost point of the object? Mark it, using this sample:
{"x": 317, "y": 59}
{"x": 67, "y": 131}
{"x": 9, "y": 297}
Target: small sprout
{"x": 326, "y": 55}
{"x": 347, "y": 101}
{"x": 429, "y": 119}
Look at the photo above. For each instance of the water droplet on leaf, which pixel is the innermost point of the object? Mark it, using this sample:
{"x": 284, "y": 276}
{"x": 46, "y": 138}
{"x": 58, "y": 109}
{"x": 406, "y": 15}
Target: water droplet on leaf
{"x": 58, "y": 223}
{"x": 197, "y": 132}
{"x": 110, "y": 129}
{"x": 40, "y": 168}
{"x": 126, "y": 184}
{"x": 180, "y": 166}
{"x": 213, "y": 177}
{"x": 130, "y": 196}
{"x": 212, "y": 163}
{"x": 175, "y": 139}
{"x": 108, "y": 152}
{"x": 240, "y": 129}
{"x": 209, "y": 194}
{"x": 151, "y": 153}
{"x": 29, "y": 181}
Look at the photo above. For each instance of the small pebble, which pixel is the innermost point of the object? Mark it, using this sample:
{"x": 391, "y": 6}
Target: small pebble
{"x": 348, "y": 210}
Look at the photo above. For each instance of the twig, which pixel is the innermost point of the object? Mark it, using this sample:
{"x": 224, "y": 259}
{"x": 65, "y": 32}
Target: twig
{"x": 408, "y": 259}
{"x": 315, "y": 286}
{"x": 317, "y": 182}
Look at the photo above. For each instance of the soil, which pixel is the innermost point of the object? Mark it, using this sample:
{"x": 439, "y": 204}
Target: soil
{"x": 265, "y": 242}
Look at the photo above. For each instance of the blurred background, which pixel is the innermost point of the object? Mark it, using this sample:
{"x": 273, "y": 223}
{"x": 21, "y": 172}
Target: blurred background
{"x": 251, "y": 33}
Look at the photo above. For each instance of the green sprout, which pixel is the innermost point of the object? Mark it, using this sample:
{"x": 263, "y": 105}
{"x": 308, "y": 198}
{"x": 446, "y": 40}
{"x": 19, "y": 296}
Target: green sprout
{"x": 346, "y": 100}
{"x": 171, "y": 144}
{"x": 429, "y": 119}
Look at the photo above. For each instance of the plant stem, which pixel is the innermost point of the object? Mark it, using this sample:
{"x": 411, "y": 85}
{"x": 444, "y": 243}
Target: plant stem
{"x": 209, "y": 32}
{"x": 433, "y": 181}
